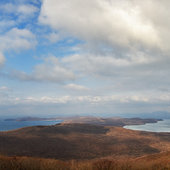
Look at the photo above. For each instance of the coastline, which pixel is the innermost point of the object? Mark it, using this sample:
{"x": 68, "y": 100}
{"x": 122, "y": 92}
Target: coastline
{"x": 159, "y": 126}
{"x": 12, "y": 124}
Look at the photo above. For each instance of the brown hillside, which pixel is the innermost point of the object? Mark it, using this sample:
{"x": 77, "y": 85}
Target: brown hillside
{"x": 151, "y": 162}
{"x": 81, "y": 141}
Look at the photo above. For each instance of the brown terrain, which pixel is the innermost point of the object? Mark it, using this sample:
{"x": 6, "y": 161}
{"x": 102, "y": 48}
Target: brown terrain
{"x": 102, "y": 143}
{"x": 112, "y": 121}
{"x": 150, "y": 162}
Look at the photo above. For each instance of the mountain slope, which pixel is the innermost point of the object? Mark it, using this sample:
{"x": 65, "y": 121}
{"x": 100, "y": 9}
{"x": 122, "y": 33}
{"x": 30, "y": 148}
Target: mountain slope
{"x": 81, "y": 141}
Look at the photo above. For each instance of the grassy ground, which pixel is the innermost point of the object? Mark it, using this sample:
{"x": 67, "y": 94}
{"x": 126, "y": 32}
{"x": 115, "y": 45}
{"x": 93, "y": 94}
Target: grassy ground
{"x": 83, "y": 147}
{"x": 151, "y": 162}
{"x": 81, "y": 142}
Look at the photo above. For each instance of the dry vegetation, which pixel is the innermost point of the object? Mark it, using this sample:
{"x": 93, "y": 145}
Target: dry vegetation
{"x": 81, "y": 141}
{"x": 78, "y": 146}
{"x": 152, "y": 162}
{"x": 112, "y": 121}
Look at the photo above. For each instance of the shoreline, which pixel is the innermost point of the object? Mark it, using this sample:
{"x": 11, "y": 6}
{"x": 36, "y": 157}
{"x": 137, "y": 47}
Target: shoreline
{"x": 158, "y": 126}
{"x": 117, "y": 122}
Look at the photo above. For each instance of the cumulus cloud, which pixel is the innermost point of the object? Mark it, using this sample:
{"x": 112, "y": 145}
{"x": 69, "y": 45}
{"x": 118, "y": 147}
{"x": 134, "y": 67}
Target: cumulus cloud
{"x": 53, "y": 37}
{"x": 6, "y": 24}
{"x": 102, "y": 65}
{"x": 143, "y": 72}
{"x": 121, "y": 53}
{"x": 118, "y": 99}
{"x": 22, "y": 11}
{"x": 60, "y": 105}
{"x": 124, "y": 41}
{"x": 76, "y": 87}
{"x": 50, "y": 71}
{"x": 27, "y": 9}
{"x": 17, "y": 39}
{"x": 112, "y": 23}
{"x": 4, "y": 88}
{"x": 2, "y": 59}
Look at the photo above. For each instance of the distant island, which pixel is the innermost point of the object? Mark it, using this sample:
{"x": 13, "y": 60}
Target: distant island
{"x": 30, "y": 119}
{"x": 87, "y": 142}
{"x": 82, "y": 141}
{"x": 112, "y": 121}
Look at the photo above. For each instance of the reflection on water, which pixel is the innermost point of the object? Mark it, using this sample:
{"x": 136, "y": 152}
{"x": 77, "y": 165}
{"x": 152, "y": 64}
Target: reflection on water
{"x": 160, "y": 126}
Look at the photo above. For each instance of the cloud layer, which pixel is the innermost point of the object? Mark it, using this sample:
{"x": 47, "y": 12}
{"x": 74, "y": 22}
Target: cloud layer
{"x": 101, "y": 55}
{"x": 116, "y": 24}
{"x": 49, "y": 71}
{"x": 124, "y": 41}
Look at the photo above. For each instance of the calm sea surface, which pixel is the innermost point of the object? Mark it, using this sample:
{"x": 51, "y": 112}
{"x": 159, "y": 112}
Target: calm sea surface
{"x": 11, "y": 125}
{"x": 160, "y": 126}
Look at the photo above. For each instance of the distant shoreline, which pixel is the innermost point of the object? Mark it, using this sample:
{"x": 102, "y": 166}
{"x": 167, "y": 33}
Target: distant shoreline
{"x": 159, "y": 126}
{"x": 112, "y": 121}
{"x": 31, "y": 119}
{"x": 68, "y": 141}
{"x": 6, "y": 125}
{"x": 15, "y": 123}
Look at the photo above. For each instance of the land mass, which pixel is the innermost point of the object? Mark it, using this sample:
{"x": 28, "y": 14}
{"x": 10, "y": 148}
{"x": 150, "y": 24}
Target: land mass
{"x": 67, "y": 141}
{"x": 111, "y": 121}
{"x": 29, "y": 119}
{"x": 87, "y": 143}
{"x": 159, "y": 161}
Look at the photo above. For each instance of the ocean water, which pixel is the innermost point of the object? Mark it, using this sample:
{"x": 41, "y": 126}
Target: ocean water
{"x": 11, "y": 125}
{"x": 160, "y": 126}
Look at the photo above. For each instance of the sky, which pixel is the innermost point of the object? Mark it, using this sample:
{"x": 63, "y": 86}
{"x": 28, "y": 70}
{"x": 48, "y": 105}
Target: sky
{"x": 100, "y": 57}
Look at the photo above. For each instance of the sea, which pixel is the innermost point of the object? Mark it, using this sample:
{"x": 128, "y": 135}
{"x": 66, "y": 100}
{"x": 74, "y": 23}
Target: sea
{"x": 160, "y": 126}
{"x": 11, "y": 125}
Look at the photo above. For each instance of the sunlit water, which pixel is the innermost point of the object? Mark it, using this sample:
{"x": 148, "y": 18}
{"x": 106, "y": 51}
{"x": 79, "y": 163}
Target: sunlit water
{"x": 160, "y": 126}
{"x": 11, "y": 125}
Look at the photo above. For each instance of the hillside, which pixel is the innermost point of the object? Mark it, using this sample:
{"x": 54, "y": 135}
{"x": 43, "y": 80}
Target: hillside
{"x": 79, "y": 141}
{"x": 111, "y": 121}
{"x": 154, "y": 161}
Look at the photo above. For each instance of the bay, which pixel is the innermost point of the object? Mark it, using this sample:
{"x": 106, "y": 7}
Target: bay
{"x": 11, "y": 125}
{"x": 160, "y": 126}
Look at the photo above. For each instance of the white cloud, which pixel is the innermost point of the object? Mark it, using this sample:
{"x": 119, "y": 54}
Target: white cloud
{"x": 106, "y": 65}
{"x": 51, "y": 71}
{"x": 112, "y": 23}
{"x": 23, "y": 11}
{"x": 6, "y": 24}
{"x": 27, "y": 9}
{"x": 125, "y": 41}
{"x": 8, "y": 7}
{"x": 56, "y": 103}
{"x": 2, "y": 59}
{"x": 17, "y": 39}
{"x": 76, "y": 87}
{"x": 4, "y": 88}
{"x": 85, "y": 104}
{"x": 97, "y": 99}
{"x": 123, "y": 55}
{"x": 53, "y": 37}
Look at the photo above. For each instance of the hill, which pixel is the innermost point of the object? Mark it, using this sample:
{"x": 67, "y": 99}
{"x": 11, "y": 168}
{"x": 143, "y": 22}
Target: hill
{"x": 67, "y": 141}
{"x": 111, "y": 121}
{"x": 155, "y": 161}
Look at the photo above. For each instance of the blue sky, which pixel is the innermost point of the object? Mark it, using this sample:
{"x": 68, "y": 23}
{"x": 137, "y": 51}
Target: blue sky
{"x": 84, "y": 57}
